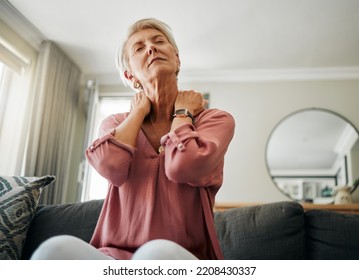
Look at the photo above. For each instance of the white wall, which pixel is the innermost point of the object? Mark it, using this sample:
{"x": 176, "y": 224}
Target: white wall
{"x": 257, "y": 107}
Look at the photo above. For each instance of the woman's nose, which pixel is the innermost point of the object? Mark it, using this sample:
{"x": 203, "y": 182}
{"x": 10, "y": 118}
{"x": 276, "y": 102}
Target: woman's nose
{"x": 151, "y": 50}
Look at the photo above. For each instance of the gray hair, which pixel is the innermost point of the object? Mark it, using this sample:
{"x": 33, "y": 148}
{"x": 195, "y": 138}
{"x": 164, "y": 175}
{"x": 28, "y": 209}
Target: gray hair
{"x": 122, "y": 59}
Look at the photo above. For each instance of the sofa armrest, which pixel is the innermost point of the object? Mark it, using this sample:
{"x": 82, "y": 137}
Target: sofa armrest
{"x": 77, "y": 219}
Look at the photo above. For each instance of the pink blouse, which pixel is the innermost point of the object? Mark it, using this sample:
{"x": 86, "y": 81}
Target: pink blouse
{"x": 161, "y": 196}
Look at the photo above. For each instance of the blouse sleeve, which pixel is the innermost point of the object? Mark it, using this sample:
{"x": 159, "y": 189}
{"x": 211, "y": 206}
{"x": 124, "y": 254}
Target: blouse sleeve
{"x": 194, "y": 154}
{"x": 110, "y": 157}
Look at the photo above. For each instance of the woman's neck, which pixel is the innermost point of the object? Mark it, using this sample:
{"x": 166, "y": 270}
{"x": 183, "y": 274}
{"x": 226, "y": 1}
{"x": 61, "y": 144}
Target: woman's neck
{"x": 162, "y": 95}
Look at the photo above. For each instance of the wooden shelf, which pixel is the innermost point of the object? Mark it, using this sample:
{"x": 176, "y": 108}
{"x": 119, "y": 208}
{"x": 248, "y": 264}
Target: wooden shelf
{"x": 221, "y": 206}
{"x": 342, "y": 208}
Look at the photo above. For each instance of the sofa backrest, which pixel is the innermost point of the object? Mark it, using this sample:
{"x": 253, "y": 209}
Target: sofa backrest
{"x": 332, "y": 235}
{"x": 77, "y": 219}
{"x": 279, "y": 230}
{"x": 271, "y": 231}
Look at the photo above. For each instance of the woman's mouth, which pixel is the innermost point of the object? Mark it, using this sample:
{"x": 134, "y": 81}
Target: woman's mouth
{"x": 154, "y": 60}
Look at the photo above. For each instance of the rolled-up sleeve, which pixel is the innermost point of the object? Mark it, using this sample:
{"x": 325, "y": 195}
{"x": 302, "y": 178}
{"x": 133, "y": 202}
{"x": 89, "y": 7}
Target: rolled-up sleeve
{"x": 110, "y": 157}
{"x": 194, "y": 154}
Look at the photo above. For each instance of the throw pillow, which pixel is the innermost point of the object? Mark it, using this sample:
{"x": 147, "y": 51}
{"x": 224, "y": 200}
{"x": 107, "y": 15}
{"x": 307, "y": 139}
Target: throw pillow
{"x": 19, "y": 198}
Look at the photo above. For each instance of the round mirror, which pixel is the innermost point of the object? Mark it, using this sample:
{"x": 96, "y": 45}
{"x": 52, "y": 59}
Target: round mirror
{"x": 310, "y": 153}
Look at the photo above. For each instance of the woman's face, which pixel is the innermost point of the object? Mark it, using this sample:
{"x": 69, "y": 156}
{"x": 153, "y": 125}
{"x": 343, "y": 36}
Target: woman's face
{"x": 150, "y": 54}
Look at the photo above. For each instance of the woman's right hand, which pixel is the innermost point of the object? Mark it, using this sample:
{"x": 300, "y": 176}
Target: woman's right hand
{"x": 127, "y": 131}
{"x": 140, "y": 104}
{"x": 190, "y": 100}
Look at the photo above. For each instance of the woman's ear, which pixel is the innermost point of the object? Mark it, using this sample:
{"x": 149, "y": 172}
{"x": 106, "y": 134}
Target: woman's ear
{"x": 135, "y": 83}
{"x": 128, "y": 75}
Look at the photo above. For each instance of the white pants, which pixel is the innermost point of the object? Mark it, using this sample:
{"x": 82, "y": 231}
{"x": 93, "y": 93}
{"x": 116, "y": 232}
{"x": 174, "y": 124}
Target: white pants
{"x": 66, "y": 247}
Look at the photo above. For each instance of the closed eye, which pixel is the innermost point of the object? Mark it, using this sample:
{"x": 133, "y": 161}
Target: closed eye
{"x": 137, "y": 48}
{"x": 158, "y": 39}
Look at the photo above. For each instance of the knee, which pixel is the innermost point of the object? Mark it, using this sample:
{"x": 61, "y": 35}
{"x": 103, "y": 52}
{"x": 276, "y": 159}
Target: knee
{"x": 55, "y": 248}
{"x": 161, "y": 249}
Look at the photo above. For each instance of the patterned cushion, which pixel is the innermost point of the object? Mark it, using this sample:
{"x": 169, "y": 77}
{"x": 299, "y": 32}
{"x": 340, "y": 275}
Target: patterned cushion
{"x": 18, "y": 201}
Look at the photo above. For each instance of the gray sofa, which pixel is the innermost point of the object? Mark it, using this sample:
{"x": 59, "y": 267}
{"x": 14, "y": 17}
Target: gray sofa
{"x": 275, "y": 231}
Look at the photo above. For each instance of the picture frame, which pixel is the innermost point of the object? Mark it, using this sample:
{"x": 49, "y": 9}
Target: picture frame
{"x": 310, "y": 191}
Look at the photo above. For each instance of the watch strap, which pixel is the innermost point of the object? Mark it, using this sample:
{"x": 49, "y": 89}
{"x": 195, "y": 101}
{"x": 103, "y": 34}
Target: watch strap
{"x": 183, "y": 113}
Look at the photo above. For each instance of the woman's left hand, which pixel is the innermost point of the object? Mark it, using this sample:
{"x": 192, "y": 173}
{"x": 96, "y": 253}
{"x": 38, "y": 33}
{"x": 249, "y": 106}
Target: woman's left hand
{"x": 191, "y": 100}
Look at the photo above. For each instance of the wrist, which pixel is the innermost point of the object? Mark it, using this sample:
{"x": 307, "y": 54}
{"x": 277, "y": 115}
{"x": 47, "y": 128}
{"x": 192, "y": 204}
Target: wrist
{"x": 139, "y": 113}
{"x": 183, "y": 113}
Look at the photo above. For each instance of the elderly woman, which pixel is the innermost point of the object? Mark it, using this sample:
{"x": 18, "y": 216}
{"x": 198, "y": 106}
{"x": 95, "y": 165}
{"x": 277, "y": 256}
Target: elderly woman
{"x": 163, "y": 160}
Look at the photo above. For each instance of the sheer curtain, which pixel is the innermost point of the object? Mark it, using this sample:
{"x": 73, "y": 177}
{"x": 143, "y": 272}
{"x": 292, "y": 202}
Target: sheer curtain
{"x": 56, "y": 117}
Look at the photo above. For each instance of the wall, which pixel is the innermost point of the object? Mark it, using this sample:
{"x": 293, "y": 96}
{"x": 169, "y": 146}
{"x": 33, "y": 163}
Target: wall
{"x": 257, "y": 107}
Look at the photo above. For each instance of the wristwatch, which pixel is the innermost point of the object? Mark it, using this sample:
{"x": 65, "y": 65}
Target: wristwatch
{"x": 183, "y": 113}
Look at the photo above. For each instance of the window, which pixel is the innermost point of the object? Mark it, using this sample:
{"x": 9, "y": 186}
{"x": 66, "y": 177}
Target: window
{"x": 2, "y": 94}
{"x": 17, "y": 64}
{"x": 14, "y": 109}
{"x": 96, "y": 185}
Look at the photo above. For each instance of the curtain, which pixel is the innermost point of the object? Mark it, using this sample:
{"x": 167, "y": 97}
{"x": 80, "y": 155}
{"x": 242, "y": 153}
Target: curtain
{"x": 54, "y": 121}
{"x": 91, "y": 101}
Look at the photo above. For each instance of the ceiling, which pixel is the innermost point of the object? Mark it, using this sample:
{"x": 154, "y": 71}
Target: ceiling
{"x": 225, "y": 39}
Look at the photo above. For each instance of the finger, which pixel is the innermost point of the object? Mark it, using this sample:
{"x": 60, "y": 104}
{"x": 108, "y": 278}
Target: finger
{"x": 204, "y": 103}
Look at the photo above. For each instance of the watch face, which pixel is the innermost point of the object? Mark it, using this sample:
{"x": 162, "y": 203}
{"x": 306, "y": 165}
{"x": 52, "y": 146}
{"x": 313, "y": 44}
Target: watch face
{"x": 181, "y": 111}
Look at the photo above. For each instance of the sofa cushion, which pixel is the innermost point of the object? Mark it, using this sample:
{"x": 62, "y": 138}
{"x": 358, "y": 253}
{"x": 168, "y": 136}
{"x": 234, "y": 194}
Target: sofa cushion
{"x": 332, "y": 235}
{"x": 271, "y": 231}
{"x": 18, "y": 202}
{"x": 77, "y": 219}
